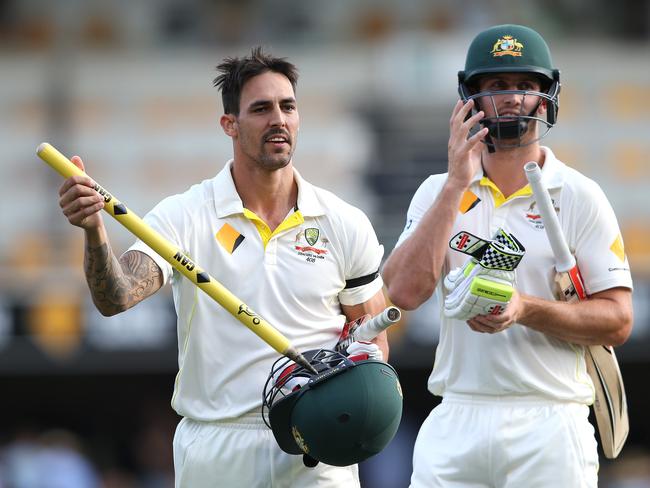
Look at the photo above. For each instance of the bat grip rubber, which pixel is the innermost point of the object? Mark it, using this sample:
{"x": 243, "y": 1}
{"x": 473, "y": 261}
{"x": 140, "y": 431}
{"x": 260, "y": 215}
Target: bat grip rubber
{"x": 377, "y": 324}
{"x": 564, "y": 260}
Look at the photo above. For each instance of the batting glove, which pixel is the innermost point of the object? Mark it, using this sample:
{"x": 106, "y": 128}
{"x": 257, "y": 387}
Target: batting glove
{"x": 484, "y": 285}
{"x": 458, "y": 275}
{"x": 480, "y": 295}
{"x": 347, "y": 335}
{"x": 361, "y": 350}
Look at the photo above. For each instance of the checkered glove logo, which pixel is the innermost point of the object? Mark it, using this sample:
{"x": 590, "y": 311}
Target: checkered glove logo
{"x": 484, "y": 284}
{"x": 503, "y": 251}
{"x": 498, "y": 256}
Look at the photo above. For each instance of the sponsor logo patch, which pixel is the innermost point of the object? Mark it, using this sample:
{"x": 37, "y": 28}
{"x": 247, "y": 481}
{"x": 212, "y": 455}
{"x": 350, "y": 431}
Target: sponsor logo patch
{"x": 229, "y": 238}
{"x": 468, "y": 202}
{"x": 618, "y": 248}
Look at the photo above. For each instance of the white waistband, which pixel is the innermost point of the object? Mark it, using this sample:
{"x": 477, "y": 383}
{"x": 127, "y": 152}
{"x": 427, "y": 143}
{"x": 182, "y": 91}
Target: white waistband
{"x": 529, "y": 399}
{"x": 252, "y": 420}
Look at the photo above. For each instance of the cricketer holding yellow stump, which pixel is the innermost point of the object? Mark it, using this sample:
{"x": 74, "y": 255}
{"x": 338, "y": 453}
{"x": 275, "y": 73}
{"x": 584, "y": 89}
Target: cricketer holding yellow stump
{"x": 300, "y": 256}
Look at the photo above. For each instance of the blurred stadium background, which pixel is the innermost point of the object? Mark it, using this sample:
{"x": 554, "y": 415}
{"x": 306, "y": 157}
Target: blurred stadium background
{"x": 84, "y": 400}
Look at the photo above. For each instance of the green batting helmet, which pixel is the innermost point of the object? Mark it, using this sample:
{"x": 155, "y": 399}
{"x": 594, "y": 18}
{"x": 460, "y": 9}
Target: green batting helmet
{"x": 511, "y": 48}
{"x": 340, "y": 416}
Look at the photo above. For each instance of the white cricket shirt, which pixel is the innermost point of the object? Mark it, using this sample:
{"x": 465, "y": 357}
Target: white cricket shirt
{"x": 520, "y": 360}
{"x": 294, "y": 277}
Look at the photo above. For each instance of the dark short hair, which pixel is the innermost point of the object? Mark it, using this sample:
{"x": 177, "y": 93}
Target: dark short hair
{"x": 235, "y": 72}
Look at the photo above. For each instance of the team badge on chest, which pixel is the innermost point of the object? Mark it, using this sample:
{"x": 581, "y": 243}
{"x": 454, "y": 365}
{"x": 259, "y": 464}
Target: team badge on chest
{"x": 535, "y": 218}
{"x": 311, "y": 236}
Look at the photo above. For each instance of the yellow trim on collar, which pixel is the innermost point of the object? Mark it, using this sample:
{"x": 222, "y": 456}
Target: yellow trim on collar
{"x": 498, "y": 197}
{"x": 292, "y": 220}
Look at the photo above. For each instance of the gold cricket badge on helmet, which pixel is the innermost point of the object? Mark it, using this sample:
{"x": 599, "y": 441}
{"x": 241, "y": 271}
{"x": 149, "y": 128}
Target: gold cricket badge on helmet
{"x": 507, "y": 46}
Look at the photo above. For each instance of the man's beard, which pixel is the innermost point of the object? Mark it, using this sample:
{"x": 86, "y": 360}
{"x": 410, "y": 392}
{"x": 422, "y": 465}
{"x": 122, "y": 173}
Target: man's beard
{"x": 272, "y": 162}
{"x": 269, "y": 160}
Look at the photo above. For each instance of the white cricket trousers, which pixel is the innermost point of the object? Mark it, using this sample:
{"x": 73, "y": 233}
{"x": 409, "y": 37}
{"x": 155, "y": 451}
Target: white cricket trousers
{"x": 472, "y": 441}
{"x": 242, "y": 453}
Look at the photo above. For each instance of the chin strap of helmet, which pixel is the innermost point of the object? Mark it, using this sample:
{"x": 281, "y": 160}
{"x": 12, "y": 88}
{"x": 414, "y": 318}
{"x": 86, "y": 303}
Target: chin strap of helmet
{"x": 513, "y": 129}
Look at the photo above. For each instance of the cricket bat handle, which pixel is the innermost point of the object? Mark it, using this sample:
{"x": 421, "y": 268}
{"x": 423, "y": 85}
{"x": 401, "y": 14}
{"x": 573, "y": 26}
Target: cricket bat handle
{"x": 377, "y": 324}
{"x": 564, "y": 260}
{"x": 178, "y": 259}
{"x": 367, "y": 331}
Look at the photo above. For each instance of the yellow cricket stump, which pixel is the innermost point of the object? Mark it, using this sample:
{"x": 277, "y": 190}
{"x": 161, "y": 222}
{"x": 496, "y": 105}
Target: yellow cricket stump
{"x": 175, "y": 256}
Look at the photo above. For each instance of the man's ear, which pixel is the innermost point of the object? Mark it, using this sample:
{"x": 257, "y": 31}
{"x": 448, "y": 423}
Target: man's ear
{"x": 229, "y": 124}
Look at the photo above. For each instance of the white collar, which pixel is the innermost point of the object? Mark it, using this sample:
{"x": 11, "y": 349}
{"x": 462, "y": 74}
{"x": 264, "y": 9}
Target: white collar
{"x": 228, "y": 202}
{"x": 552, "y": 170}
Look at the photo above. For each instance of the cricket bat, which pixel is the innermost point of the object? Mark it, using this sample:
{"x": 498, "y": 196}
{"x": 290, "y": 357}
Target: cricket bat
{"x": 610, "y": 404}
{"x": 360, "y": 330}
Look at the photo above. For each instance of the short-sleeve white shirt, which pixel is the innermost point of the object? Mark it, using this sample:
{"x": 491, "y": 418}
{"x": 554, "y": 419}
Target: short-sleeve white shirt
{"x": 296, "y": 281}
{"x": 520, "y": 360}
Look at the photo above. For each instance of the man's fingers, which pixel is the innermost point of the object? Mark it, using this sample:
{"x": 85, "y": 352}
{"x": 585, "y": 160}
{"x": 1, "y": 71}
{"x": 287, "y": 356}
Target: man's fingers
{"x": 462, "y": 122}
{"x": 459, "y": 105}
{"x": 94, "y": 202}
{"x": 77, "y": 191}
{"x": 478, "y": 137}
{"x": 76, "y": 160}
{"x": 461, "y": 110}
{"x": 79, "y": 217}
{"x": 78, "y": 198}
{"x": 478, "y": 327}
{"x": 490, "y": 324}
{"x": 76, "y": 180}
{"x": 474, "y": 119}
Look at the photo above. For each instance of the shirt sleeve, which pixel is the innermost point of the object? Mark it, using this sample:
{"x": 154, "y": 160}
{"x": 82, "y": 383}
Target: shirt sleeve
{"x": 596, "y": 240}
{"x": 421, "y": 202}
{"x": 362, "y": 278}
{"x": 166, "y": 218}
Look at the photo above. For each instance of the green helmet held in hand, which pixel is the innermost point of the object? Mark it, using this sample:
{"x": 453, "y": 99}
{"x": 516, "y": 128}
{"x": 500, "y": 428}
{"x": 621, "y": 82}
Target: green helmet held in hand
{"x": 347, "y": 412}
{"x": 511, "y": 48}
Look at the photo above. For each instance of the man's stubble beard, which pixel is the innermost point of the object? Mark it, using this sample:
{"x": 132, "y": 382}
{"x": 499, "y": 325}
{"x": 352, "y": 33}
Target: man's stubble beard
{"x": 270, "y": 161}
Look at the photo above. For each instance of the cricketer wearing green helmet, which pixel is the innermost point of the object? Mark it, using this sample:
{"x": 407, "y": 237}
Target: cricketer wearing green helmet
{"x": 511, "y": 49}
{"x": 512, "y": 360}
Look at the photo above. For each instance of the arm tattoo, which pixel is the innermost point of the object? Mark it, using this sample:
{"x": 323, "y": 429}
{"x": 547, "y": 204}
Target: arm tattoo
{"x": 118, "y": 284}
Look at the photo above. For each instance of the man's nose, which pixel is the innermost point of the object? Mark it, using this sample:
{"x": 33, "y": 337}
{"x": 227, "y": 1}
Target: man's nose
{"x": 512, "y": 98}
{"x": 278, "y": 117}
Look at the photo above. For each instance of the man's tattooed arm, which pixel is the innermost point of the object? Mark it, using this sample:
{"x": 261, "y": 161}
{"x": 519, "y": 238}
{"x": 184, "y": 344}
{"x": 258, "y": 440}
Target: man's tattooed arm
{"x": 118, "y": 284}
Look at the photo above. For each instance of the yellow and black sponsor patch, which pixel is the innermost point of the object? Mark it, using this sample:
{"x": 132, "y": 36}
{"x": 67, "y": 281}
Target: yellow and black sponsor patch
{"x": 229, "y": 238}
{"x": 468, "y": 202}
{"x": 618, "y": 248}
